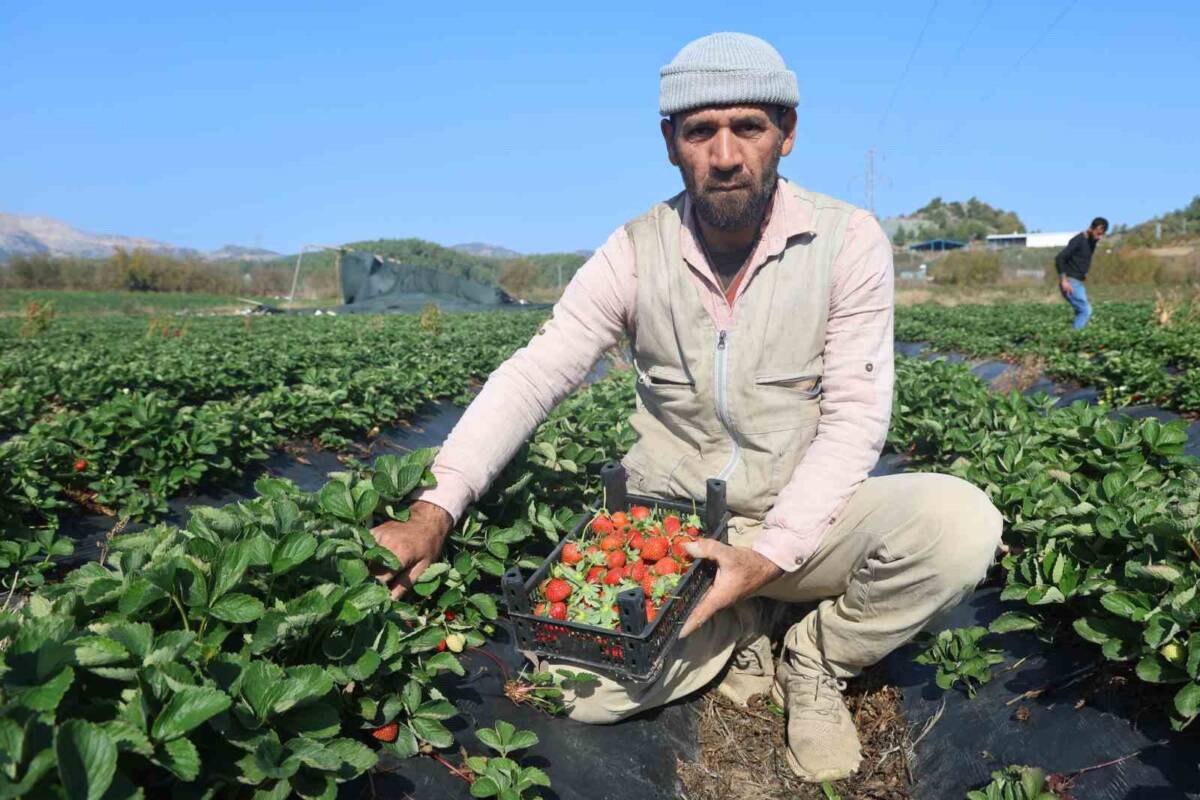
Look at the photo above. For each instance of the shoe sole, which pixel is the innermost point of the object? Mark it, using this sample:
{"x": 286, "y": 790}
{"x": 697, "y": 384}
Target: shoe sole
{"x": 799, "y": 771}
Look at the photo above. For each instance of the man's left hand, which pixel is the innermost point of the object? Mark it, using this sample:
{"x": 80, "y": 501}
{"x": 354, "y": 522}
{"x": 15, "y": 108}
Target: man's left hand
{"x": 740, "y": 573}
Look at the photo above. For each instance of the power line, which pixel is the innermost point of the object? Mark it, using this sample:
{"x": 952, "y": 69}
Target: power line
{"x": 1036, "y": 43}
{"x": 966, "y": 39}
{"x": 908, "y": 65}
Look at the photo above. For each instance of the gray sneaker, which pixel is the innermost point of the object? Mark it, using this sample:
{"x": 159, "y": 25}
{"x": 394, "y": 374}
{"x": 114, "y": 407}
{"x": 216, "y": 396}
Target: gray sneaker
{"x": 821, "y": 739}
{"x": 751, "y": 672}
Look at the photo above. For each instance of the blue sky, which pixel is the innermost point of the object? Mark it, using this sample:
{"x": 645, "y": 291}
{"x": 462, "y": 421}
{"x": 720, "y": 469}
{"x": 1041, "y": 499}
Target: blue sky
{"x": 535, "y": 126}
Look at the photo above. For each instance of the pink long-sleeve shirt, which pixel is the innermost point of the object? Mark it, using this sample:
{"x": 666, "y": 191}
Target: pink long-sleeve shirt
{"x": 599, "y": 306}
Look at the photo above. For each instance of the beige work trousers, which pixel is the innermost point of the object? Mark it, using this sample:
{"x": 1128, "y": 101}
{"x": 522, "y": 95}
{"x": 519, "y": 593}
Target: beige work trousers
{"x": 905, "y": 548}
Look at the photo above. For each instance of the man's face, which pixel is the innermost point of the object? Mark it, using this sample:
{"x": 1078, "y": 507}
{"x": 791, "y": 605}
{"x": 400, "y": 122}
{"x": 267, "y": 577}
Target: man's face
{"x": 1097, "y": 232}
{"x": 729, "y": 159}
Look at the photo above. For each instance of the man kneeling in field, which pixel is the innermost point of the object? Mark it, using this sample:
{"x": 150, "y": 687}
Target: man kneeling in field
{"x": 761, "y": 320}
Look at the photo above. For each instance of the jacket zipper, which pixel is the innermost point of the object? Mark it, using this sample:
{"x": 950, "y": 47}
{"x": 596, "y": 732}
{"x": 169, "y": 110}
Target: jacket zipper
{"x": 723, "y": 405}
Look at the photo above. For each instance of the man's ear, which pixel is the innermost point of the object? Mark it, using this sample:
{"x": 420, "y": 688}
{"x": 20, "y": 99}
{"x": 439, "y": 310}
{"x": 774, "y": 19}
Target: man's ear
{"x": 668, "y": 132}
{"x": 787, "y": 124}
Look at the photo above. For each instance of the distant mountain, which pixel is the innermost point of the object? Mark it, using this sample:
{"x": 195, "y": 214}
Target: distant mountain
{"x": 485, "y": 250}
{"x": 29, "y": 235}
{"x": 1180, "y": 225}
{"x": 234, "y": 252}
{"x": 956, "y": 220}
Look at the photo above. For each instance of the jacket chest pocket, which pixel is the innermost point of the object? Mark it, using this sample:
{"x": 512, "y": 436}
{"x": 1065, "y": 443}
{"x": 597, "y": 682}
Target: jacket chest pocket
{"x": 784, "y": 400}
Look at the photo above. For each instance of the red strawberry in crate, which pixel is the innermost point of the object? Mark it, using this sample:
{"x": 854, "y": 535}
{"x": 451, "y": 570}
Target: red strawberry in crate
{"x": 612, "y": 542}
{"x": 671, "y": 525}
{"x": 639, "y": 570}
{"x": 666, "y": 566}
{"x": 639, "y": 513}
{"x": 539, "y": 610}
{"x": 651, "y": 611}
{"x": 602, "y": 525}
{"x": 679, "y": 548}
{"x": 571, "y": 554}
{"x": 637, "y": 541}
{"x": 558, "y": 611}
{"x": 619, "y": 520}
{"x": 595, "y": 574}
{"x": 616, "y": 558}
{"x": 655, "y": 549}
{"x": 648, "y": 583}
{"x": 557, "y": 590}
{"x": 614, "y": 576}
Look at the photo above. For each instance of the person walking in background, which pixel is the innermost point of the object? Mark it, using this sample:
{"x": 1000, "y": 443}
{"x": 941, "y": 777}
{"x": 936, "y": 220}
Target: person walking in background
{"x": 1073, "y": 262}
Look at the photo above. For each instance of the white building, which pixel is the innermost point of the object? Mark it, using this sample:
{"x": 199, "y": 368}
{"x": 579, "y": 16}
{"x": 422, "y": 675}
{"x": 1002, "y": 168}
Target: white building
{"x": 999, "y": 240}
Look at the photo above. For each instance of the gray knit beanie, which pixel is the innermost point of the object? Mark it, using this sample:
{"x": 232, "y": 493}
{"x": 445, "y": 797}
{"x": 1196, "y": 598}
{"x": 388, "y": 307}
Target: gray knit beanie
{"x": 724, "y": 69}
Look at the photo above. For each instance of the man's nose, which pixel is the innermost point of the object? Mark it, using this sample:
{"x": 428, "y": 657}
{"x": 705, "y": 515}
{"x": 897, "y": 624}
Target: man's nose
{"x": 726, "y": 156}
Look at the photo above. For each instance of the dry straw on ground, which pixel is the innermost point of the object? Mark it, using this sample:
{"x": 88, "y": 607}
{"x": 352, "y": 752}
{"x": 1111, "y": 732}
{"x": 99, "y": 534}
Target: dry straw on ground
{"x": 742, "y": 750}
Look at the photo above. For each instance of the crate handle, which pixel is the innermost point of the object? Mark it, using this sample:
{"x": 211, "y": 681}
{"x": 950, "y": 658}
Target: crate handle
{"x": 714, "y": 506}
{"x": 631, "y": 606}
{"x": 513, "y": 586}
{"x": 614, "y": 477}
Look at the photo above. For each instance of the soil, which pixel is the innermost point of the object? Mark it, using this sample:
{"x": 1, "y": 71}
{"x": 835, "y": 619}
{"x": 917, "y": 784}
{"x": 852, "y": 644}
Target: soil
{"x": 742, "y": 750}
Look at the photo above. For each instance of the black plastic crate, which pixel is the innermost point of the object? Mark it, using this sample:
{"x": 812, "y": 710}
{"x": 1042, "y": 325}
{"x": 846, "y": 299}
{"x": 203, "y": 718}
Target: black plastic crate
{"x": 638, "y": 651}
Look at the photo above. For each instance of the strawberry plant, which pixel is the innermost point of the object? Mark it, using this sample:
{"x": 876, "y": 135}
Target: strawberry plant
{"x": 1016, "y": 783}
{"x": 501, "y": 776}
{"x": 250, "y": 649}
{"x": 1103, "y": 515}
{"x": 959, "y": 658}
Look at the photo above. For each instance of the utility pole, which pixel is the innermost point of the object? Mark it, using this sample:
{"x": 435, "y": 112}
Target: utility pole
{"x": 870, "y": 180}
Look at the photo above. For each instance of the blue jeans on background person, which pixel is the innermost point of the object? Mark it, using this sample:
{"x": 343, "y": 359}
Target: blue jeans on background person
{"x": 1078, "y": 300}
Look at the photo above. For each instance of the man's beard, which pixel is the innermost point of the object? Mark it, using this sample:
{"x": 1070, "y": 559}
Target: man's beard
{"x": 738, "y": 209}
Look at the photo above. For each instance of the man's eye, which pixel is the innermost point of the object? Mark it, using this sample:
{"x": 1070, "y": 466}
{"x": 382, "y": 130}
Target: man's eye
{"x": 697, "y": 134}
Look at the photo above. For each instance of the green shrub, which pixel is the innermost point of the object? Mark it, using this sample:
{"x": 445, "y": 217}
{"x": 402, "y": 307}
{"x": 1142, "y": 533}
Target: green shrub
{"x": 968, "y": 268}
{"x": 1125, "y": 266}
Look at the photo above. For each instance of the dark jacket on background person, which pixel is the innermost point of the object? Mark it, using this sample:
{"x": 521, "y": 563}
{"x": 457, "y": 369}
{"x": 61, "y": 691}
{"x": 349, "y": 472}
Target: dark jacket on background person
{"x": 1075, "y": 259}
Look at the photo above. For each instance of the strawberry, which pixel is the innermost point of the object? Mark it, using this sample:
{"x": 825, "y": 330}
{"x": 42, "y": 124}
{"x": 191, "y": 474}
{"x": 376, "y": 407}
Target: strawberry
{"x": 558, "y": 590}
{"x": 449, "y": 616}
{"x": 441, "y": 646}
{"x": 571, "y": 554}
{"x": 558, "y": 611}
{"x": 648, "y": 583}
{"x": 639, "y": 513}
{"x": 692, "y": 530}
{"x": 671, "y": 525}
{"x": 616, "y": 558}
{"x": 678, "y": 550}
{"x": 637, "y": 541}
{"x": 614, "y": 576}
{"x": 620, "y": 519}
{"x": 81, "y": 464}
{"x": 639, "y": 571}
{"x": 655, "y": 549}
{"x": 539, "y": 610}
{"x": 387, "y": 733}
{"x": 602, "y": 525}
{"x": 651, "y": 611}
{"x": 666, "y": 566}
{"x": 592, "y": 550}
{"x": 611, "y": 542}
{"x": 595, "y": 574}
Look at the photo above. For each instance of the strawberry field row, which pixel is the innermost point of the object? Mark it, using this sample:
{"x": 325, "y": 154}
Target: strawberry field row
{"x": 1129, "y": 351}
{"x": 128, "y": 418}
{"x": 251, "y": 653}
{"x": 1102, "y": 515}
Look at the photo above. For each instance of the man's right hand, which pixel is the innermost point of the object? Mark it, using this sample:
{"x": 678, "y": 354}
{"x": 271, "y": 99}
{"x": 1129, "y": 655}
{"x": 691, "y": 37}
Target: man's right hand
{"x": 1066, "y": 286}
{"x": 417, "y": 543}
